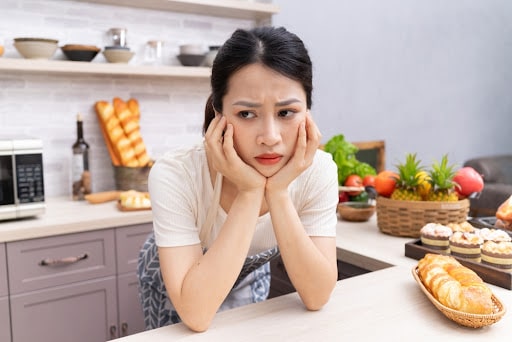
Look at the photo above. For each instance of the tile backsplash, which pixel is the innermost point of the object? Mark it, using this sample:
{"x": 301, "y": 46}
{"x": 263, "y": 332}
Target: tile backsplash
{"x": 45, "y": 105}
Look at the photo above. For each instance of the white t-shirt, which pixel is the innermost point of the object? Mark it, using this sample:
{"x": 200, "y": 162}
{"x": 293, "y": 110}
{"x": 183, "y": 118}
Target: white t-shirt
{"x": 181, "y": 193}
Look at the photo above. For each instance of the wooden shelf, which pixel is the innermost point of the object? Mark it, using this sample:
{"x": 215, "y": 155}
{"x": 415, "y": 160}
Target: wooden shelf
{"x": 222, "y": 8}
{"x": 91, "y": 68}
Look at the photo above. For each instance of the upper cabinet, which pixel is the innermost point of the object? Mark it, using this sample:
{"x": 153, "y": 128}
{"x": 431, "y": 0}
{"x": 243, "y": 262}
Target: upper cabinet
{"x": 223, "y": 8}
{"x": 258, "y": 11}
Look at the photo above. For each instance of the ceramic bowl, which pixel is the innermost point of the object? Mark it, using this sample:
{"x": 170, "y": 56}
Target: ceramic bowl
{"x": 118, "y": 55}
{"x": 191, "y": 60}
{"x": 80, "y": 53}
{"x": 191, "y": 49}
{"x": 117, "y": 47}
{"x": 36, "y": 48}
{"x": 356, "y": 211}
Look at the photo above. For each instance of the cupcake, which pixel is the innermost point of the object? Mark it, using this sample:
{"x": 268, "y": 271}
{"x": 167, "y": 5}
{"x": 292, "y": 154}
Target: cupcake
{"x": 496, "y": 235}
{"x": 466, "y": 245}
{"x": 436, "y": 236}
{"x": 462, "y": 227}
{"x": 497, "y": 254}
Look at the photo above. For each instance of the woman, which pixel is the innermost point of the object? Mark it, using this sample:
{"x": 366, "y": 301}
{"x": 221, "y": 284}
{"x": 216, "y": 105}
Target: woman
{"x": 257, "y": 187}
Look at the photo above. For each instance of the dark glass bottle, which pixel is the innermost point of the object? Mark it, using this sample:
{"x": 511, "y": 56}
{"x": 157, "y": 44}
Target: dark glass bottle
{"x": 81, "y": 176}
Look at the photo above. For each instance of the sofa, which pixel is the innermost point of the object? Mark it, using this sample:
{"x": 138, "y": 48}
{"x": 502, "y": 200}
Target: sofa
{"x": 497, "y": 174}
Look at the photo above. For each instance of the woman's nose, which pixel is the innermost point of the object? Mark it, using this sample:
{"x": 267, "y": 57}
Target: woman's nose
{"x": 269, "y": 133}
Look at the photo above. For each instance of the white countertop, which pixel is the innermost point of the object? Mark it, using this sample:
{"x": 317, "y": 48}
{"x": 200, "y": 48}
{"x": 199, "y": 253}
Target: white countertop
{"x": 385, "y": 304}
{"x": 382, "y": 305}
{"x": 64, "y": 216}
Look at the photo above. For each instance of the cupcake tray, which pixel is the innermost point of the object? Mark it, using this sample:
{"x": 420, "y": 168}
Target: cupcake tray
{"x": 489, "y": 274}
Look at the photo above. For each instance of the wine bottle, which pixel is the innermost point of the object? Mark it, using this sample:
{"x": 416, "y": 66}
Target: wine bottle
{"x": 81, "y": 176}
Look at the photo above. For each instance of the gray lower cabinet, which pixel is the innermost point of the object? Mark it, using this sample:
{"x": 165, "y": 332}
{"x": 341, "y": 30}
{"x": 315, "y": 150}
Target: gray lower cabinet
{"x": 5, "y": 320}
{"x": 129, "y": 241}
{"x": 75, "y": 287}
{"x": 83, "y": 311}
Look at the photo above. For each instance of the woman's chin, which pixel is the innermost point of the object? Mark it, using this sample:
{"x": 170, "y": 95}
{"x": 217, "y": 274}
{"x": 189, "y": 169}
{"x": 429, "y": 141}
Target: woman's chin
{"x": 268, "y": 171}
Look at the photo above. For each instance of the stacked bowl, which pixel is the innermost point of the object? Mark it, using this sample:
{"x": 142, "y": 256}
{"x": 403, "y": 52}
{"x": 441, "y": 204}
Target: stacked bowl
{"x": 118, "y": 54}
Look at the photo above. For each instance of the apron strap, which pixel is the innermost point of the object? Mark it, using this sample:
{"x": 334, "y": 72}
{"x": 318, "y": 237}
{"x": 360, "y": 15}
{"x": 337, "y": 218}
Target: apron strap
{"x": 206, "y": 229}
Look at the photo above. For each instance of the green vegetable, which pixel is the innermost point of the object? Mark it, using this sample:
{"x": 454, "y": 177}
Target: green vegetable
{"x": 362, "y": 197}
{"x": 344, "y": 155}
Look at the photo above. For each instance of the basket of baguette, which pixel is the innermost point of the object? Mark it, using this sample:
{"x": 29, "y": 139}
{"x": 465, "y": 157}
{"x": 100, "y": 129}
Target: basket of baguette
{"x": 457, "y": 291}
{"x": 120, "y": 126}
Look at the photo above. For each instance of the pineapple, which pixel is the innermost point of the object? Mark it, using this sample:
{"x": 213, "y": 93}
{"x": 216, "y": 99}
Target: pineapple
{"x": 424, "y": 185}
{"x": 441, "y": 180}
{"x": 409, "y": 180}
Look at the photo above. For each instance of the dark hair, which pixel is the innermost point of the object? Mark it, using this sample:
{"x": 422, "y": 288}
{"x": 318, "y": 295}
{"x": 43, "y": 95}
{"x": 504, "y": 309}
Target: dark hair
{"x": 275, "y": 48}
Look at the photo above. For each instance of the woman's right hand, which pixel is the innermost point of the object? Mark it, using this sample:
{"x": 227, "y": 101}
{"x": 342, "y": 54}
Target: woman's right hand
{"x": 224, "y": 158}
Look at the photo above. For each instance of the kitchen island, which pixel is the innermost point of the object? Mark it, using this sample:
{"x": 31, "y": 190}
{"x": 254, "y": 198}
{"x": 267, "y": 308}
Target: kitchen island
{"x": 384, "y": 304}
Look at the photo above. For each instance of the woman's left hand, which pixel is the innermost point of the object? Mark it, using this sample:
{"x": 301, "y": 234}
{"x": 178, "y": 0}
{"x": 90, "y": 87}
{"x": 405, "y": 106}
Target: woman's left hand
{"x": 308, "y": 141}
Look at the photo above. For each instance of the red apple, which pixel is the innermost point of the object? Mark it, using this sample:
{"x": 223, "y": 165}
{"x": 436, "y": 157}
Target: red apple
{"x": 468, "y": 180}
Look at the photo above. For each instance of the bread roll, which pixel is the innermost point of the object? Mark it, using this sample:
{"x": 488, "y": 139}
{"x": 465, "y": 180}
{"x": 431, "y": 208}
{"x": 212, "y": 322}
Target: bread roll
{"x": 504, "y": 212}
{"x": 455, "y": 285}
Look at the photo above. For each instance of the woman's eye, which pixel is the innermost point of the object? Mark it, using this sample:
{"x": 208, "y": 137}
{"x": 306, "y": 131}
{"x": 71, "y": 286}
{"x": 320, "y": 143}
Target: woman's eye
{"x": 246, "y": 114}
{"x": 285, "y": 113}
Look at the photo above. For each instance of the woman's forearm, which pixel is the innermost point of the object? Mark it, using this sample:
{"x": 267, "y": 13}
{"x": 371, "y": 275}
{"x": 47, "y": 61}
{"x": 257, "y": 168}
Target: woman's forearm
{"x": 209, "y": 280}
{"x": 310, "y": 262}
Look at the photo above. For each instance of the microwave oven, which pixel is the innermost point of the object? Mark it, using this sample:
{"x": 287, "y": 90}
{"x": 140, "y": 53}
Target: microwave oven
{"x": 21, "y": 178}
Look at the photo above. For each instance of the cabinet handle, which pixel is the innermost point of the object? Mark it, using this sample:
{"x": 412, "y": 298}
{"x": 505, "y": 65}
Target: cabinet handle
{"x": 113, "y": 332}
{"x": 63, "y": 261}
{"x": 124, "y": 329}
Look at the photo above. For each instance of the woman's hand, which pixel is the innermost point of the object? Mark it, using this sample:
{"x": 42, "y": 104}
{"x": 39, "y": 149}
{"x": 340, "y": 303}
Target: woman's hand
{"x": 225, "y": 159}
{"x": 308, "y": 141}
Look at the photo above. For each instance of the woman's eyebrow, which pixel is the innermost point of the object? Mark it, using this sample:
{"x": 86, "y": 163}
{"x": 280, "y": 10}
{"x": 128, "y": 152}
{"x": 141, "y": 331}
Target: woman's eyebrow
{"x": 255, "y": 105}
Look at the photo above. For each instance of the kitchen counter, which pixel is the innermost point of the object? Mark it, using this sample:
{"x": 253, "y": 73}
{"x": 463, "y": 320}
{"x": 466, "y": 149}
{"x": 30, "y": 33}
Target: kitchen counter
{"x": 378, "y": 306}
{"x": 383, "y": 303}
{"x": 64, "y": 216}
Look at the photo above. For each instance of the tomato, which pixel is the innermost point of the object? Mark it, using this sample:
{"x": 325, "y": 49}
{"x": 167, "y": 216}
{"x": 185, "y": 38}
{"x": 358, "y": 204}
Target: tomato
{"x": 385, "y": 182}
{"x": 356, "y": 181}
{"x": 342, "y": 197}
{"x": 469, "y": 181}
{"x": 369, "y": 180}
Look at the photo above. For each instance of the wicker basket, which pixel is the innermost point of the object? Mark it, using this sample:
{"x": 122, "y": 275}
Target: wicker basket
{"x": 463, "y": 318}
{"x": 406, "y": 218}
{"x": 131, "y": 178}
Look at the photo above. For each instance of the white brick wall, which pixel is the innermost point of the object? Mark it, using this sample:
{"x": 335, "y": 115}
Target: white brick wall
{"x": 45, "y": 105}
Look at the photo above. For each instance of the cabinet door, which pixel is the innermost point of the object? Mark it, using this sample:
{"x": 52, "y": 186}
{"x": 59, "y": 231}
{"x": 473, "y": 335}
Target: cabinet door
{"x": 129, "y": 241}
{"x": 5, "y": 320}
{"x": 131, "y": 319}
{"x": 84, "y": 311}
{"x": 3, "y": 271}
{"x": 58, "y": 260}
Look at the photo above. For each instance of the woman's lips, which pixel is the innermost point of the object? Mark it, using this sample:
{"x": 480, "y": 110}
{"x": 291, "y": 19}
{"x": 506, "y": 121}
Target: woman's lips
{"x": 269, "y": 159}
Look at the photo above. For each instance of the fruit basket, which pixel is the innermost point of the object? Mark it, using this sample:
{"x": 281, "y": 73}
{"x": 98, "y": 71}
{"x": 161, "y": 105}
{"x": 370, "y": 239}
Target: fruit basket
{"x": 406, "y": 218}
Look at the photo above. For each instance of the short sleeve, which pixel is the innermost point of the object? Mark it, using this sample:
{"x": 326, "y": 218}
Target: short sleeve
{"x": 317, "y": 196}
{"x": 173, "y": 189}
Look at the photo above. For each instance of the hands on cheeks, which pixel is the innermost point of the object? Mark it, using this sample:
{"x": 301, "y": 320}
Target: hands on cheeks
{"x": 224, "y": 158}
{"x": 308, "y": 141}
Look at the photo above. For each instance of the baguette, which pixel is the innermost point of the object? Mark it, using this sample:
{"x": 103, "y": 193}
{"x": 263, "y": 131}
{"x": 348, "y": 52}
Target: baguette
{"x": 131, "y": 127}
{"x": 455, "y": 285}
{"x": 115, "y": 138}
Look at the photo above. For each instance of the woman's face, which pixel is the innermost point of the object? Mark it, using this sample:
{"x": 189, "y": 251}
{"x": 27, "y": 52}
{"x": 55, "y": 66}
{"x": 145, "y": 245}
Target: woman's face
{"x": 265, "y": 109}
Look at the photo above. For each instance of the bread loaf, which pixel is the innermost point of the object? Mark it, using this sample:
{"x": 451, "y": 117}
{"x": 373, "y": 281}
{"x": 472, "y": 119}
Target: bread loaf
{"x": 455, "y": 285}
{"x": 121, "y": 131}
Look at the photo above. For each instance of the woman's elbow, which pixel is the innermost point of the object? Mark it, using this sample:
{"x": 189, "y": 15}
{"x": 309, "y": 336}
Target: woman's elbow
{"x": 198, "y": 325}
